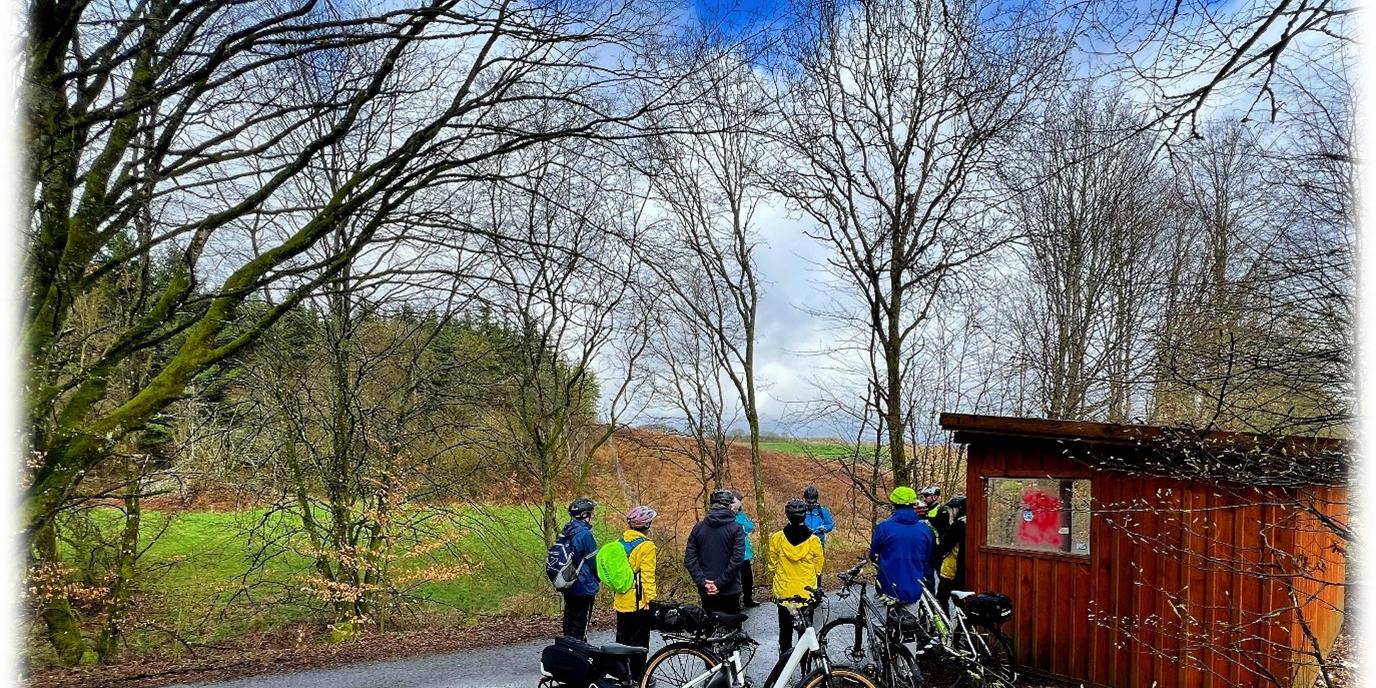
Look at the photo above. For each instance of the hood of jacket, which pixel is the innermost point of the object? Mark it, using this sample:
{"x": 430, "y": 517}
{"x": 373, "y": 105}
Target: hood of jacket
{"x": 904, "y": 515}
{"x": 793, "y": 552}
{"x": 720, "y": 516}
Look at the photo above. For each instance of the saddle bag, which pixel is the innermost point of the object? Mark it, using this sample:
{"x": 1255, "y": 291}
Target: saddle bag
{"x": 569, "y": 661}
{"x": 904, "y": 622}
{"x": 988, "y": 608}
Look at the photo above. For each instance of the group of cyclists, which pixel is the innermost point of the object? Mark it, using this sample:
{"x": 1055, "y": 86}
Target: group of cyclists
{"x": 918, "y": 547}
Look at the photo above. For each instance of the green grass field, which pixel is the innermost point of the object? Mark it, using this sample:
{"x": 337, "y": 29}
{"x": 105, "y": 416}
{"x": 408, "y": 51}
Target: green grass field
{"x": 821, "y": 449}
{"x": 203, "y": 575}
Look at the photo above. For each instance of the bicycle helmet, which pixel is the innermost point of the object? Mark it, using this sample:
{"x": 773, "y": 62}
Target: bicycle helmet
{"x": 956, "y": 502}
{"x": 721, "y": 497}
{"x": 581, "y": 507}
{"x": 795, "y": 510}
{"x": 902, "y": 496}
{"x": 931, "y": 491}
{"x": 811, "y": 494}
{"x": 640, "y": 517}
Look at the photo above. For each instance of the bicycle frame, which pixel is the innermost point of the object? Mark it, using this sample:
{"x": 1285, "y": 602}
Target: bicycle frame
{"x": 807, "y": 644}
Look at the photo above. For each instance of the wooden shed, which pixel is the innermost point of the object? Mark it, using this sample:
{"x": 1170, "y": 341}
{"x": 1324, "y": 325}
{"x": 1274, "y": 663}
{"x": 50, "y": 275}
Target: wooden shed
{"x": 1141, "y": 556}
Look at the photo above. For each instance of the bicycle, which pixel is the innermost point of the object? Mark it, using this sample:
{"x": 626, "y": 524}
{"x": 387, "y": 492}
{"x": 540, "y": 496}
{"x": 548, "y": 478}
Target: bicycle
{"x": 696, "y": 641}
{"x": 873, "y": 640}
{"x": 974, "y": 649}
{"x": 808, "y": 651}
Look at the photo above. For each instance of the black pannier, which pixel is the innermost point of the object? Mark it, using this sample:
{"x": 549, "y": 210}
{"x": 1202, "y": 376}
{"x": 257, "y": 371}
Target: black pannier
{"x": 672, "y": 617}
{"x": 569, "y": 661}
{"x": 904, "y": 622}
{"x": 988, "y": 608}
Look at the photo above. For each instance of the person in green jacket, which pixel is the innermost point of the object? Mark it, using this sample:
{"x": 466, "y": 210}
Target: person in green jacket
{"x": 747, "y": 574}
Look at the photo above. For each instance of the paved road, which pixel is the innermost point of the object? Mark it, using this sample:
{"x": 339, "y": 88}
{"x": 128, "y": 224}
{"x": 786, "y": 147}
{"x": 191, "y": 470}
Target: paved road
{"x": 511, "y": 666}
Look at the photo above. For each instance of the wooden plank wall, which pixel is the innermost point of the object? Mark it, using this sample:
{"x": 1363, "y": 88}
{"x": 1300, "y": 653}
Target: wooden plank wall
{"x": 1176, "y": 570}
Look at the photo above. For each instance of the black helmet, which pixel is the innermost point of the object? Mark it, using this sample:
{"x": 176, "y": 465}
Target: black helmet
{"x": 811, "y": 494}
{"x": 721, "y": 497}
{"x": 581, "y": 506}
{"x": 956, "y": 502}
{"x": 795, "y": 510}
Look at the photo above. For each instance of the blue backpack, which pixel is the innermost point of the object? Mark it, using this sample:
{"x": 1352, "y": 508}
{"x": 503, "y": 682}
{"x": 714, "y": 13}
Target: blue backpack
{"x": 561, "y": 568}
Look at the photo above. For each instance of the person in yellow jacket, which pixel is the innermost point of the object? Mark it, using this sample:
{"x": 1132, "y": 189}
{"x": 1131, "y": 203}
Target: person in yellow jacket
{"x": 633, "y": 606}
{"x": 795, "y": 562}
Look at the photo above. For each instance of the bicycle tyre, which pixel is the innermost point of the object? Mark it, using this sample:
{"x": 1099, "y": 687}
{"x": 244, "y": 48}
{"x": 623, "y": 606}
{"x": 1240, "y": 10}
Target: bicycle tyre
{"x": 844, "y": 639}
{"x": 657, "y": 666}
{"x": 902, "y": 670}
{"x": 840, "y": 677}
{"x": 999, "y": 660}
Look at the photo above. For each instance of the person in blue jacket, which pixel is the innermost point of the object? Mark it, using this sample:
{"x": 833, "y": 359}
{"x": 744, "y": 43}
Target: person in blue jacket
{"x": 818, "y": 517}
{"x": 747, "y": 574}
{"x": 903, "y": 549}
{"x": 579, "y": 597}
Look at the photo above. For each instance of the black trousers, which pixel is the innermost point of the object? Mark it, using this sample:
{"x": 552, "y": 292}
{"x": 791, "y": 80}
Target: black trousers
{"x": 577, "y": 614}
{"x": 726, "y": 604}
{"x": 747, "y": 584}
{"x": 633, "y": 628}
{"x": 785, "y": 631}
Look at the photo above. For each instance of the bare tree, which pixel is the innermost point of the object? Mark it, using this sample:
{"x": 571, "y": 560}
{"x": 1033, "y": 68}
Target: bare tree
{"x": 894, "y": 113}
{"x": 1097, "y": 222}
{"x": 1194, "y": 56}
{"x": 173, "y": 129}
{"x": 563, "y": 233}
{"x": 709, "y": 182}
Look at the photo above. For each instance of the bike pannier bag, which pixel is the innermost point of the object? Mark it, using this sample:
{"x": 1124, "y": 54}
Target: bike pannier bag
{"x": 905, "y": 621}
{"x": 672, "y": 617}
{"x": 568, "y": 661}
{"x": 989, "y": 608}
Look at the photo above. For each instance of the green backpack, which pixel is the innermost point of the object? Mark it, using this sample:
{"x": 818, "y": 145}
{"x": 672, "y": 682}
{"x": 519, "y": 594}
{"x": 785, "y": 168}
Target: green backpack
{"x": 614, "y": 565}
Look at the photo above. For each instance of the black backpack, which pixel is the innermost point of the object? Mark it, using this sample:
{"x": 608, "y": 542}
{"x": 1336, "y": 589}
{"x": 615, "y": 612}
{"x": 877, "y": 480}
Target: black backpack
{"x": 988, "y": 608}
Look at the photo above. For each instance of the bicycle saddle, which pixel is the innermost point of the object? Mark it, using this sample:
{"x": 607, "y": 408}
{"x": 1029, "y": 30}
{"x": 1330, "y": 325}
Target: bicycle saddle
{"x": 619, "y": 650}
{"x": 730, "y": 620}
{"x": 961, "y": 594}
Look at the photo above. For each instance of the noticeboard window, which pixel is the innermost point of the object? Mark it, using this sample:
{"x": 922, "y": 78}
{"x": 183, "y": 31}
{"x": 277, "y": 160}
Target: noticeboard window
{"x": 1038, "y": 514}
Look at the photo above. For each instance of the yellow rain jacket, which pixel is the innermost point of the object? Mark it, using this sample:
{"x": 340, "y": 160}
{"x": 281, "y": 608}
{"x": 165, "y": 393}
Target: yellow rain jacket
{"x": 794, "y": 566}
{"x": 643, "y": 565}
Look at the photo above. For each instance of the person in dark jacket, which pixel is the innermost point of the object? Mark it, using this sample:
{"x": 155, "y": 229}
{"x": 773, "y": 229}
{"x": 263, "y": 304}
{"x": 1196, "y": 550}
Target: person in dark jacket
{"x": 950, "y": 553}
{"x": 932, "y": 511}
{"x": 579, "y": 597}
{"x": 902, "y": 549}
{"x": 714, "y": 555}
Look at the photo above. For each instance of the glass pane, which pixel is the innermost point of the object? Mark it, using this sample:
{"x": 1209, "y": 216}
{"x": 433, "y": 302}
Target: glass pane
{"x": 1038, "y": 514}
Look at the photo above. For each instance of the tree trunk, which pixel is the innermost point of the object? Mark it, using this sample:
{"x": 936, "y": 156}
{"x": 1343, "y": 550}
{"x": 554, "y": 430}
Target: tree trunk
{"x": 125, "y": 561}
{"x": 62, "y": 625}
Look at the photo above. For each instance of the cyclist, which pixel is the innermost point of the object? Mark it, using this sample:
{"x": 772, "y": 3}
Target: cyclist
{"x": 747, "y": 571}
{"x": 633, "y": 606}
{"x": 902, "y": 549}
{"x": 714, "y": 555}
{"x": 795, "y": 562}
{"x": 950, "y": 551}
{"x": 932, "y": 511}
{"x": 818, "y": 517}
{"x": 578, "y": 599}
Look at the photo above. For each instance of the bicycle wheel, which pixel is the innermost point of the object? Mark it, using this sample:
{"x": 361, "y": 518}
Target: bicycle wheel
{"x": 844, "y": 640}
{"x": 676, "y": 664}
{"x": 989, "y": 666}
{"x": 840, "y": 677}
{"x": 995, "y": 655}
{"x": 902, "y": 669}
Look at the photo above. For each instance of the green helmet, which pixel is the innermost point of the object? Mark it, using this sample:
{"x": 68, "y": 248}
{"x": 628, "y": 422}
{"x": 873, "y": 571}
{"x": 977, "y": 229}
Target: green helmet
{"x": 903, "y": 496}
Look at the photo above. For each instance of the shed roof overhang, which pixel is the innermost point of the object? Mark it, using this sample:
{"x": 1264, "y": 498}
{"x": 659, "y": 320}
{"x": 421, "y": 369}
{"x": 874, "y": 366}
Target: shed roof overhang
{"x": 1234, "y": 456}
